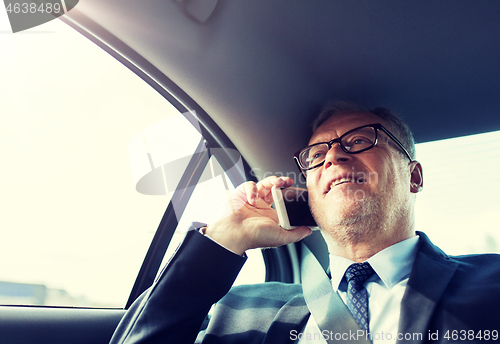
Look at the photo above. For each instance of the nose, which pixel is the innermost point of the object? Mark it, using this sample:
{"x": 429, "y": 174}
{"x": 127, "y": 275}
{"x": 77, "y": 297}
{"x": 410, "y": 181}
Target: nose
{"x": 336, "y": 156}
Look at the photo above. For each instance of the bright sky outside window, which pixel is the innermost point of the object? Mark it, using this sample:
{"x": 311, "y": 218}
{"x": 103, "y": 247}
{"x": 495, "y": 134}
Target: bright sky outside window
{"x": 72, "y": 220}
{"x": 458, "y": 207}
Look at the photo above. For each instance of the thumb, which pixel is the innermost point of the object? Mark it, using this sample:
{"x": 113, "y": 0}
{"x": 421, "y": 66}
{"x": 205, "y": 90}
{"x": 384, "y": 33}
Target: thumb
{"x": 299, "y": 233}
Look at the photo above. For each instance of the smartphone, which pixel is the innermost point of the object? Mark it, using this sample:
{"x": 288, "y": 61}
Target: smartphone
{"x": 292, "y": 206}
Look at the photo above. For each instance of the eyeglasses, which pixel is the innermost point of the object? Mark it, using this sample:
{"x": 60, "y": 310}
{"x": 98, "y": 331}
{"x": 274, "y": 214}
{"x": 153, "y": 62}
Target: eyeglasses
{"x": 353, "y": 142}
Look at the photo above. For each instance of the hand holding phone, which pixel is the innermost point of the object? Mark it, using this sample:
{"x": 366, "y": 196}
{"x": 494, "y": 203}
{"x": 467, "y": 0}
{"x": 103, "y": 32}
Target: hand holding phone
{"x": 292, "y": 206}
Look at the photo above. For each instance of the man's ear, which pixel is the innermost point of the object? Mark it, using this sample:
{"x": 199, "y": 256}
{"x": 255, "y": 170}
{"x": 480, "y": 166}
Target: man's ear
{"x": 416, "y": 177}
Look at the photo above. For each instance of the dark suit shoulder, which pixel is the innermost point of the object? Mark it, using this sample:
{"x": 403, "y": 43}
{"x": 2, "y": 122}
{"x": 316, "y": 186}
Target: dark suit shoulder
{"x": 463, "y": 291}
{"x": 477, "y": 269}
{"x": 474, "y": 259}
{"x": 478, "y": 273}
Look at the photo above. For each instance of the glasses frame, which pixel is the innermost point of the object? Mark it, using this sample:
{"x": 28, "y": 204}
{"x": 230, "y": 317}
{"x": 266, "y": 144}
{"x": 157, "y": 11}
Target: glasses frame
{"x": 376, "y": 126}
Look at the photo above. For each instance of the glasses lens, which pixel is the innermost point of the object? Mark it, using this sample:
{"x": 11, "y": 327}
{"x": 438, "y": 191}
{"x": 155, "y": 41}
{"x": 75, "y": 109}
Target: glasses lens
{"x": 360, "y": 139}
{"x": 313, "y": 155}
{"x": 356, "y": 141}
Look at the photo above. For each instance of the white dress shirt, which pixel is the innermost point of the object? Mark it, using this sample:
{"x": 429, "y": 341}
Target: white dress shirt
{"x": 385, "y": 291}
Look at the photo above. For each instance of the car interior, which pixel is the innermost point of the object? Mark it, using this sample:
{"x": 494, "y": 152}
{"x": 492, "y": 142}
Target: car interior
{"x": 249, "y": 77}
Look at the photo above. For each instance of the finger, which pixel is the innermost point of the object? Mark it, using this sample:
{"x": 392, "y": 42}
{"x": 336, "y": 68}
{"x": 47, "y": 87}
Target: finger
{"x": 282, "y": 182}
{"x": 268, "y": 182}
{"x": 297, "y": 234}
{"x": 251, "y": 192}
{"x": 287, "y": 181}
{"x": 264, "y": 186}
{"x": 283, "y": 236}
{"x": 243, "y": 193}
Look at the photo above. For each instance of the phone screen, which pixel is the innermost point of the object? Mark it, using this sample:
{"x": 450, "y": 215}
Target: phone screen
{"x": 297, "y": 207}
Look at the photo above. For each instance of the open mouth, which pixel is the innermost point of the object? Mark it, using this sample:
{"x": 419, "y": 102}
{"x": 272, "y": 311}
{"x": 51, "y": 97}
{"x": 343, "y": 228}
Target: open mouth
{"x": 345, "y": 180}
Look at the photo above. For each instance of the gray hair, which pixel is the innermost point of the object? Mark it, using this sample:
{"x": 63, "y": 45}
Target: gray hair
{"x": 395, "y": 124}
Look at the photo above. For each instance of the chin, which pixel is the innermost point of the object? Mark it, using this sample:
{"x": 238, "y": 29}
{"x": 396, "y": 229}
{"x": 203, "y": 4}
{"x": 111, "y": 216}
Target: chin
{"x": 350, "y": 220}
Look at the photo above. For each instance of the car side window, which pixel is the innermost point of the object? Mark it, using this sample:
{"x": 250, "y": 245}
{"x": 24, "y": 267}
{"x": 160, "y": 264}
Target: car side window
{"x": 83, "y": 170}
{"x": 458, "y": 207}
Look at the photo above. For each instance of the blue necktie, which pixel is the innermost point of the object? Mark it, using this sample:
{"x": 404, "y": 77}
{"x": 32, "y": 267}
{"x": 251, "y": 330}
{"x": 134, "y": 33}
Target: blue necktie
{"x": 357, "y": 297}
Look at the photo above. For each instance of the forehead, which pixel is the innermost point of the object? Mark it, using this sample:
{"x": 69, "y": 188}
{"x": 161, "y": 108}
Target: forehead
{"x": 341, "y": 123}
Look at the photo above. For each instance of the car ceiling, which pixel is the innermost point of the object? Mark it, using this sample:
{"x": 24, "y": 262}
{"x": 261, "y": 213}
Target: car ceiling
{"x": 263, "y": 69}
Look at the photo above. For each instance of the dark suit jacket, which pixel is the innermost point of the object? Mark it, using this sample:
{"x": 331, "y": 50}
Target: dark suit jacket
{"x": 445, "y": 296}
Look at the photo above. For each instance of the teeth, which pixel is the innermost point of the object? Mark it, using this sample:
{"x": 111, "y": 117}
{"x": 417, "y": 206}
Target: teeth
{"x": 340, "y": 181}
{"x": 345, "y": 180}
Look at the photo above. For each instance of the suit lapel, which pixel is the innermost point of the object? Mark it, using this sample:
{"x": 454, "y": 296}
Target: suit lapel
{"x": 430, "y": 275}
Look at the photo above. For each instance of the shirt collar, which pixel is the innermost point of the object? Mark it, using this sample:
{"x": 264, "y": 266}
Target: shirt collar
{"x": 392, "y": 264}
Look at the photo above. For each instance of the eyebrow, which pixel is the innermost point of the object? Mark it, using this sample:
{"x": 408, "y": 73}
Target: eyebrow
{"x": 328, "y": 139}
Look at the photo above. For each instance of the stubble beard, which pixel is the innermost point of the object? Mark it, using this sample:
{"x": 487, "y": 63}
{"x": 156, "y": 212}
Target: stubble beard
{"x": 353, "y": 221}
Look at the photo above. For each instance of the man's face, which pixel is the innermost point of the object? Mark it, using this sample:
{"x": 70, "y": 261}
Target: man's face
{"x": 358, "y": 194}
